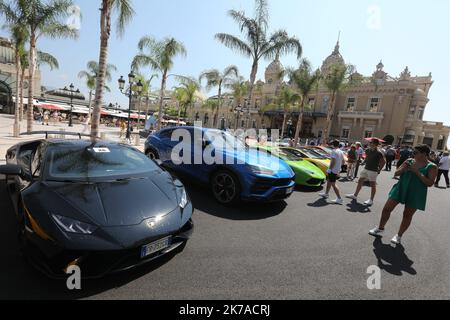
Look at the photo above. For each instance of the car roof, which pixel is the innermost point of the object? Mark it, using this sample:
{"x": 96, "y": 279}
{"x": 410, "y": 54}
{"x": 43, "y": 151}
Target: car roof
{"x": 187, "y": 128}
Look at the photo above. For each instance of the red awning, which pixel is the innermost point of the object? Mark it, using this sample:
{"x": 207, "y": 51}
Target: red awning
{"x": 375, "y": 138}
{"x": 104, "y": 113}
{"x": 50, "y": 106}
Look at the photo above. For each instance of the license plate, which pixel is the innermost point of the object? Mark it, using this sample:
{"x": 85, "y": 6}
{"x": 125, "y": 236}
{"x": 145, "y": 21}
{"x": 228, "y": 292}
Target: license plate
{"x": 290, "y": 190}
{"x": 153, "y": 247}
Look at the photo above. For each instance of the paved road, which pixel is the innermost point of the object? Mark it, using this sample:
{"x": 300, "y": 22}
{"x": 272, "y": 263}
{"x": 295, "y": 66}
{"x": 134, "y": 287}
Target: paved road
{"x": 300, "y": 249}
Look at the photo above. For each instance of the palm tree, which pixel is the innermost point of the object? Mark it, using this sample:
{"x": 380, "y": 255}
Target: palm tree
{"x": 91, "y": 74}
{"x": 287, "y": 99}
{"x": 336, "y": 80}
{"x": 159, "y": 57}
{"x": 19, "y": 35}
{"x": 125, "y": 13}
{"x": 305, "y": 80}
{"x": 146, "y": 91}
{"x": 239, "y": 90}
{"x": 191, "y": 94}
{"x": 215, "y": 78}
{"x": 256, "y": 44}
{"x": 42, "y": 19}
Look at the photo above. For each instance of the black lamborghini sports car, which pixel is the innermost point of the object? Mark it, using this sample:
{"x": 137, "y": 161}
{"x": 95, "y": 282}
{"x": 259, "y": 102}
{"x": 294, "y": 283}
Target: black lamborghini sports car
{"x": 102, "y": 206}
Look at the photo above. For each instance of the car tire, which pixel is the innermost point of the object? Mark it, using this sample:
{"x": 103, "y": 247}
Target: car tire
{"x": 225, "y": 187}
{"x": 152, "y": 154}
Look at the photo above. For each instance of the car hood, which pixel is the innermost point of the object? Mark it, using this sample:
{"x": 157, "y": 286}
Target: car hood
{"x": 255, "y": 157}
{"x": 306, "y": 167}
{"x": 118, "y": 203}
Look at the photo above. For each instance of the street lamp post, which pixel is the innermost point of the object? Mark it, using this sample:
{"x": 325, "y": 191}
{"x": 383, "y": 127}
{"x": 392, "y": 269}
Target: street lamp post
{"x": 129, "y": 93}
{"x": 71, "y": 90}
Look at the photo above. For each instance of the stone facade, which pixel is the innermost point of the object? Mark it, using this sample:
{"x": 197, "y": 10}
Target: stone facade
{"x": 377, "y": 105}
{"x": 8, "y": 81}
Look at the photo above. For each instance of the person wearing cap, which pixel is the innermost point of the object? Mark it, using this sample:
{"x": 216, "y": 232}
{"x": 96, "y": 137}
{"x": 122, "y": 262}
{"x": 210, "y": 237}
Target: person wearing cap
{"x": 416, "y": 176}
{"x": 375, "y": 162}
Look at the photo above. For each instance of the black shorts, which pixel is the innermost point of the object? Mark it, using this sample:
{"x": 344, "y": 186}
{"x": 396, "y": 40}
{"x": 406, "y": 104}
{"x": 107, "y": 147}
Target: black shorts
{"x": 332, "y": 177}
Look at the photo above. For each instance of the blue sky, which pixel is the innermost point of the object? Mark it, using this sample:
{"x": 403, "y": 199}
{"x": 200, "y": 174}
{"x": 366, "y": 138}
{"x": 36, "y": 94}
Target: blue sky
{"x": 402, "y": 33}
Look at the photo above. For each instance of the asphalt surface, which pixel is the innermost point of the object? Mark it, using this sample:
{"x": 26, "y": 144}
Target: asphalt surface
{"x": 298, "y": 249}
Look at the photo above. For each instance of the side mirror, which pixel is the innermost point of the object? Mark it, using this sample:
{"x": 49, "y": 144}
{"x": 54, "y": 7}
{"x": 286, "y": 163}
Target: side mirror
{"x": 11, "y": 170}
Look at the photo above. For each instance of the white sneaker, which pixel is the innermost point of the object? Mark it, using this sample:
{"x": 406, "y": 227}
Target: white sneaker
{"x": 369, "y": 203}
{"x": 376, "y": 232}
{"x": 351, "y": 196}
{"x": 396, "y": 240}
{"x": 337, "y": 201}
{"x": 323, "y": 195}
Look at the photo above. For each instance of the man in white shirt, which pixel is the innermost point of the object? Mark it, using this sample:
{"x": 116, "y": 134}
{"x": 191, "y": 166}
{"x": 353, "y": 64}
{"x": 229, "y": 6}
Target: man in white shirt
{"x": 444, "y": 167}
{"x": 337, "y": 158}
{"x": 359, "y": 157}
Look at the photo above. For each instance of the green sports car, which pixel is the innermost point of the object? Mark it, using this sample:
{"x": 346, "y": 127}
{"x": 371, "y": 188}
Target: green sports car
{"x": 306, "y": 173}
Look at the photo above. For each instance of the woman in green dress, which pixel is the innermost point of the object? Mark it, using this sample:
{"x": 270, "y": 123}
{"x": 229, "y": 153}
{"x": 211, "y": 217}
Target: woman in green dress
{"x": 416, "y": 176}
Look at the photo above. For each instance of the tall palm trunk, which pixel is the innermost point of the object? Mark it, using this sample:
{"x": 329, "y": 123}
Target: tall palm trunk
{"x": 89, "y": 105}
{"x": 16, "y": 132}
{"x": 31, "y": 72}
{"x": 146, "y": 108}
{"x": 299, "y": 122}
{"x": 219, "y": 106}
{"x": 139, "y": 113}
{"x": 252, "y": 84}
{"x": 330, "y": 114}
{"x": 284, "y": 124}
{"x": 161, "y": 97}
{"x": 22, "y": 77}
{"x": 105, "y": 31}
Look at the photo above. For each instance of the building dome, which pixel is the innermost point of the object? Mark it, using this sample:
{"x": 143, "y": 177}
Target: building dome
{"x": 273, "y": 71}
{"x": 419, "y": 93}
{"x": 334, "y": 58}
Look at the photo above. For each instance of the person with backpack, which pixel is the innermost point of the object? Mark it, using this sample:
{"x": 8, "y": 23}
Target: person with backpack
{"x": 390, "y": 157}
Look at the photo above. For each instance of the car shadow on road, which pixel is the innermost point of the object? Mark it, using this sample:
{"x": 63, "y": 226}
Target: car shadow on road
{"x": 204, "y": 201}
{"x": 356, "y": 207}
{"x": 19, "y": 280}
{"x": 392, "y": 259}
{"x": 306, "y": 189}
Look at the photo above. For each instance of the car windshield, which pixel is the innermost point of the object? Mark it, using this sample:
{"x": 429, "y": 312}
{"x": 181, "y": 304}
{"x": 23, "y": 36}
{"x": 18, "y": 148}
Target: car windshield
{"x": 288, "y": 154}
{"x": 74, "y": 163}
{"x": 322, "y": 152}
{"x": 223, "y": 140}
{"x": 312, "y": 153}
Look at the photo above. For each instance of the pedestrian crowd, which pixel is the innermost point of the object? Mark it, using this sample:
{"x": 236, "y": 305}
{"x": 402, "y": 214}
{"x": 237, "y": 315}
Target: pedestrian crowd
{"x": 417, "y": 169}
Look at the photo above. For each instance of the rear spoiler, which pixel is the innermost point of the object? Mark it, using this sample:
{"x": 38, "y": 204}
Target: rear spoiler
{"x": 62, "y": 133}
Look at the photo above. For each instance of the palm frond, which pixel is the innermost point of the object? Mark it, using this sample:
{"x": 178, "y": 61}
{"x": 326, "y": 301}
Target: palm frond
{"x": 47, "y": 59}
{"x": 125, "y": 13}
{"x": 234, "y": 43}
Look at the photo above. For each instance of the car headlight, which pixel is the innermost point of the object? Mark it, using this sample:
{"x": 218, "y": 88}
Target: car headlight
{"x": 73, "y": 226}
{"x": 184, "y": 199}
{"x": 181, "y": 194}
{"x": 262, "y": 170}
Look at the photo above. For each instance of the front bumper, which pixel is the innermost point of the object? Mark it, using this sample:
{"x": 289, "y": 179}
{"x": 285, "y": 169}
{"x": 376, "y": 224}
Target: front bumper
{"x": 97, "y": 264}
{"x": 270, "y": 190}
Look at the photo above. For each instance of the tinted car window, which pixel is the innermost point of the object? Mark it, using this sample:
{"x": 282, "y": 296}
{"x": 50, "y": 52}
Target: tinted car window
{"x": 25, "y": 156}
{"x": 84, "y": 163}
{"x": 167, "y": 134}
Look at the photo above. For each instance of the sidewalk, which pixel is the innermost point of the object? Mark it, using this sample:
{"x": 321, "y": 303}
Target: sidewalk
{"x": 7, "y": 140}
